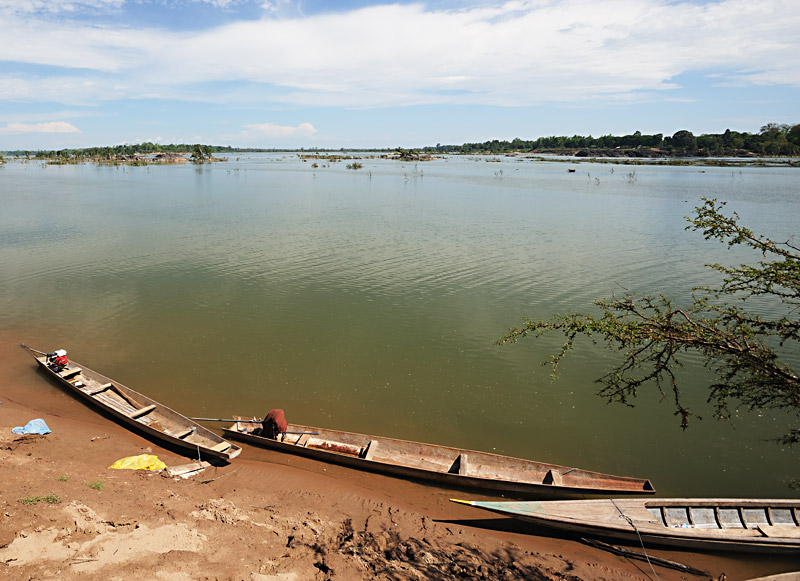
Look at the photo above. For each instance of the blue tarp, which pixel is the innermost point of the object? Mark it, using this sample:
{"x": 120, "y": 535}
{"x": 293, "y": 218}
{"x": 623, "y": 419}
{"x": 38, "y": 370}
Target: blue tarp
{"x": 36, "y": 426}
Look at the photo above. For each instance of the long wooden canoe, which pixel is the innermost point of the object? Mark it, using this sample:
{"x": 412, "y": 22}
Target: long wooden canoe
{"x": 441, "y": 464}
{"x": 139, "y": 411}
{"x": 768, "y": 526}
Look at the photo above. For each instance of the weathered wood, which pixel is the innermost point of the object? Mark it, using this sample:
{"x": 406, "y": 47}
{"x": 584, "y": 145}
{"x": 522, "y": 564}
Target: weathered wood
{"x": 553, "y": 477}
{"x": 70, "y": 372}
{"x": 122, "y": 407}
{"x": 336, "y": 447}
{"x": 126, "y": 396}
{"x": 779, "y": 531}
{"x": 441, "y": 464}
{"x": 635, "y": 521}
{"x": 186, "y": 470}
{"x": 97, "y": 390}
{"x": 372, "y": 447}
{"x": 460, "y": 465}
{"x": 137, "y": 411}
{"x": 142, "y": 411}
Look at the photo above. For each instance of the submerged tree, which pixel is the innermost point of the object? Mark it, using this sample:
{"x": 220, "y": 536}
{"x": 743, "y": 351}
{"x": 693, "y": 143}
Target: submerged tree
{"x": 736, "y": 344}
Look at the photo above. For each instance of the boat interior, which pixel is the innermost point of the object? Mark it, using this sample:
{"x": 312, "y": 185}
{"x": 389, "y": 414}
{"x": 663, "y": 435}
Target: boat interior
{"x": 444, "y": 460}
{"x": 724, "y": 517}
{"x": 112, "y": 396}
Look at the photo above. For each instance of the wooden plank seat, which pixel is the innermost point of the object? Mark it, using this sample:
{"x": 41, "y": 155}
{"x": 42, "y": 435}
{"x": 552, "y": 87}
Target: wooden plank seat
{"x": 369, "y": 453}
{"x": 553, "y": 477}
{"x": 183, "y": 434}
{"x": 460, "y": 465}
{"x": 142, "y": 411}
{"x": 70, "y": 372}
{"x": 463, "y": 464}
{"x": 221, "y": 447}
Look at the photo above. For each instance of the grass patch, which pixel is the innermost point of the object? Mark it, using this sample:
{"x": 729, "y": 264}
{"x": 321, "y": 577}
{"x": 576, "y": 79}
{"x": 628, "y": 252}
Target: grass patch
{"x": 63, "y": 479}
{"x": 33, "y": 500}
{"x": 96, "y": 485}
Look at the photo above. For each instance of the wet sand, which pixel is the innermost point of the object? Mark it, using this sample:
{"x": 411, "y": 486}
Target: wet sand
{"x": 263, "y": 516}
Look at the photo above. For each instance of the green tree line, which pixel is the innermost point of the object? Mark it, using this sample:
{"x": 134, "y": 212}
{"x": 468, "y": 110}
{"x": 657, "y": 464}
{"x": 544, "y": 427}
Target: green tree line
{"x": 772, "y": 139}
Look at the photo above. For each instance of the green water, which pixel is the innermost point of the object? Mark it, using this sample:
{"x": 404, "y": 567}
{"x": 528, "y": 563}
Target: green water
{"x": 368, "y": 300}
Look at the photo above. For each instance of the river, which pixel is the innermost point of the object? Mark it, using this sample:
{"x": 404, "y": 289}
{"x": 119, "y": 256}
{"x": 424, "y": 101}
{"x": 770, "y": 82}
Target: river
{"x": 369, "y": 299}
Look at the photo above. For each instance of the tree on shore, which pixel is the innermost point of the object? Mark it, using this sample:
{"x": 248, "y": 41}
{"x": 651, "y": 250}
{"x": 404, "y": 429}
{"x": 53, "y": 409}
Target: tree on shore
{"x": 201, "y": 153}
{"x": 738, "y": 345}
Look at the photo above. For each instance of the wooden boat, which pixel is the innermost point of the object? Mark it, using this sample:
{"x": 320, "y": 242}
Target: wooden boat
{"x": 139, "y": 411}
{"x": 449, "y": 466}
{"x": 768, "y": 526}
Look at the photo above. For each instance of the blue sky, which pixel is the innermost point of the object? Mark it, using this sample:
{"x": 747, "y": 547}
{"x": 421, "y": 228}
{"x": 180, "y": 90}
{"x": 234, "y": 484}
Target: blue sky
{"x": 366, "y": 73}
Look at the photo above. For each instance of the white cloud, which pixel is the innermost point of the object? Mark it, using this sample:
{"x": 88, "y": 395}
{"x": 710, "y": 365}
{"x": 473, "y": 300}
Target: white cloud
{"x": 75, "y": 90}
{"x": 49, "y": 127}
{"x": 220, "y": 3}
{"x": 56, "y": 6}
{"x": 275, "y": 6}
{"x": 55, "y": 114}
{"x": 280, "y": 132}
{"x": 525, "y": 52}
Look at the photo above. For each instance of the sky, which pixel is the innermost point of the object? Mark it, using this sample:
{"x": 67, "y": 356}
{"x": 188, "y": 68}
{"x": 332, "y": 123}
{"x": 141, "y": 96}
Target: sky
{"x": 371, "y": 73}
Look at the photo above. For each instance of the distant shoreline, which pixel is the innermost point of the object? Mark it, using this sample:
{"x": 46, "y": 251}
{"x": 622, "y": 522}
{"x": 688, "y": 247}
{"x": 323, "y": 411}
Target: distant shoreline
{"x": 773, "y": 140}
{"x": 618, "y": 156}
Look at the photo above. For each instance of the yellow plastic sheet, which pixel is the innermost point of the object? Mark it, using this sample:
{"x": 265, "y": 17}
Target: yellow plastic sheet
{"x": 140, "y": 462}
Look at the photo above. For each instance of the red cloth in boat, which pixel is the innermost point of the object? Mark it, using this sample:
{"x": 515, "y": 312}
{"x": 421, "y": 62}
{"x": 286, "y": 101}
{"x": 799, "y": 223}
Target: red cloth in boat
{"x": 274, "y": 424}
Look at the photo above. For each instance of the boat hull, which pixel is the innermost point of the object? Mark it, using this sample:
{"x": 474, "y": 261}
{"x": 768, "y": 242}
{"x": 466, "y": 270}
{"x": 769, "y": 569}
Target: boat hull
{"x": 751, "y": 525}
{"x": 139, "y": 412}
{"x": 452, "y": 467}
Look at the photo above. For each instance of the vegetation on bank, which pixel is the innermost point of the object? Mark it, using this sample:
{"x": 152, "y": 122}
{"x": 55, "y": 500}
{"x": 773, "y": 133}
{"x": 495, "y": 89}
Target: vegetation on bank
{"x": 34, "y": 500}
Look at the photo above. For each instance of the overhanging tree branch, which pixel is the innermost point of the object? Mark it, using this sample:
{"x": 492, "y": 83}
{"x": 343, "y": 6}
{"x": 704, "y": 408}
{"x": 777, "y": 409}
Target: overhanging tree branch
{"x": 735, "y": 344}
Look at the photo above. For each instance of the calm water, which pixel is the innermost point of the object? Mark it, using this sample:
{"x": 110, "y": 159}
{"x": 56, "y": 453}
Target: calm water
{"x": 369, "y": 300}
